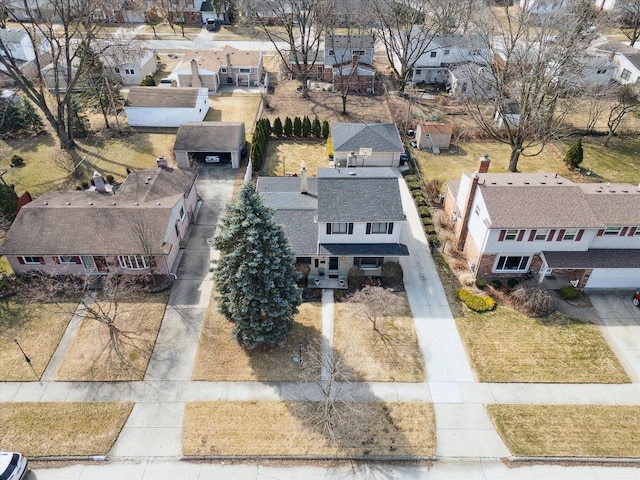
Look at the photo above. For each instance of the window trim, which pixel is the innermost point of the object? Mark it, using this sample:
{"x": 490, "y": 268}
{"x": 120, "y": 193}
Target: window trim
{"x": 511, "y": 234}
{"x": 64, "y": 259}
{"x": 541, "y": 234}
{"x": 503, "y": 260}
{"x": 31, "y": 261}
{"x": 183, "y": 214}
{"x": 570, "y": 234}
{"x": 126, "y": 262}
{"x": 244, "y": 70}
{"x": 612, "y": 231}
{"x": 625, "y": 74}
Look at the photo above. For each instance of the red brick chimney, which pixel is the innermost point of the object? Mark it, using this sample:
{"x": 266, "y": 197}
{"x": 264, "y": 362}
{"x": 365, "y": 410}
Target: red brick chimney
{"x": 484, "y": 163}
{"x": 355, "y": 59}
{"x": 464, "y": 220}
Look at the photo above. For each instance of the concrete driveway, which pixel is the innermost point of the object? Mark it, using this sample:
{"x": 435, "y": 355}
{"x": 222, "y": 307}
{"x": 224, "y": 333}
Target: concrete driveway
{"x": 620, "y": 324}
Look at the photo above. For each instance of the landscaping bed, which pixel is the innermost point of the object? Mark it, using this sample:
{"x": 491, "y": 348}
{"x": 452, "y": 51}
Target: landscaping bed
{"x": 52, "y": 429}
{"x": 283, "y": 429}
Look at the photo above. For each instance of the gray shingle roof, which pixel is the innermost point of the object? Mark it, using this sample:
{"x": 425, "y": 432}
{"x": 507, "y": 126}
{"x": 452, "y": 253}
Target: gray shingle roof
{"x": 92, "y": 223}
{"x": 349, "y": 41}
{"x": 175, "y": 97}
{"x": 546, "y": 200}
{"x": 371, "y": 195}
{"x": 597, "y": 258}
{"x": 208, "y": 136}
{"x": 380, "y": 137}
{"x": 364, "y": 249}
{"x": 301, "y": 230}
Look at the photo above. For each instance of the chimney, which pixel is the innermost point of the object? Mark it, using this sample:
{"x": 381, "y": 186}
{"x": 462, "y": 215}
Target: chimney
{"x": 195, "y": 76}
{"x": 304, "y": 184}
{"x": 98, "y": 182}
{"x": 229, "y": 65}
{"x": 484, "y": 164}
{"x": 355, "y": 58}
{"x": 464, "y": 220}
{"x": 161, "y": 162}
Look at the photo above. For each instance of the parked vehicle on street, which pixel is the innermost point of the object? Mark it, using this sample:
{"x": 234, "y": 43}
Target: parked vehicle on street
{"x": 13, "y": 466}
{"x": 636, "y": 299}
{"x": 213, "y": 25}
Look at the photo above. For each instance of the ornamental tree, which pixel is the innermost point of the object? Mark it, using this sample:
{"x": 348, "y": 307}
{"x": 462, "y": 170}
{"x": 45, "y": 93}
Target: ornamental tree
{"x": 255, "y": 278}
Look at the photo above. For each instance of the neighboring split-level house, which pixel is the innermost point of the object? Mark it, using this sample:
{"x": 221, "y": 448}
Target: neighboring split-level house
{"x": 210, "y": 69}
{"x": 625, "y": 58}
{"x": 137, "y": 229}
{"x": 339, "y": 219}
{"x": 508, "y": 224}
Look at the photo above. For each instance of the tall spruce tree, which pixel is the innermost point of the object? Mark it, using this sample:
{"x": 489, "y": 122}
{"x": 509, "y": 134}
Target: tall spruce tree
{"x": 255, "y": 277}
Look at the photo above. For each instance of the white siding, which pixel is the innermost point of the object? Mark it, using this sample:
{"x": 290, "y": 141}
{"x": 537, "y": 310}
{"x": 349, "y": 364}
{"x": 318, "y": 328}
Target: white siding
{"x": 614, "y": 278}
{"x": 359, "y": 234}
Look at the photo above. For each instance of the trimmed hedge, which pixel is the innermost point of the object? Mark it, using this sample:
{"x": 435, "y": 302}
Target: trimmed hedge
{"x": 414, "y": 185}
{"x": 411, "y": 178}
{"x": 424, "y": 212}
{"x": 569, "y": 292}
{"x": 481, "y": 283}
{"x": 433, "y": 240}
{"x": 477, "y": 303}
{"x": 427, "y": 221}
{"x": 390, "y": 273}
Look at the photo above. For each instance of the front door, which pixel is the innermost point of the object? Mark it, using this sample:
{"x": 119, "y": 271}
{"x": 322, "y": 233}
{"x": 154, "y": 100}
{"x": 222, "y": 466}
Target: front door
{"x": 333, "y": 264}
{"x": 89, "y": 264}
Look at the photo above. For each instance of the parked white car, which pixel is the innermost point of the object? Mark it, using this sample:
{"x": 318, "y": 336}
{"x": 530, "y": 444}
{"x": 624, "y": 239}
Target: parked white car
{"x": 13, "y": 466}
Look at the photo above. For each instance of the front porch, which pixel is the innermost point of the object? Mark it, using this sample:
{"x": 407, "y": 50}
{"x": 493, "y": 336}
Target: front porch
{"x": 336, "y": 282}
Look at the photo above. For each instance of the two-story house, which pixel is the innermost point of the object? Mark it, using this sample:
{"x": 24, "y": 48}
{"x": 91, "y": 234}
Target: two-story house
{"x": 443, "y": 53}
{"x": 135, "y": 230}
{"x": 339, "y": 219}
{"x": 626, "y": 60}
{"x": 510, "y": 224}
{"x": 16, "y": 47}
{"x": 227, "y": 66}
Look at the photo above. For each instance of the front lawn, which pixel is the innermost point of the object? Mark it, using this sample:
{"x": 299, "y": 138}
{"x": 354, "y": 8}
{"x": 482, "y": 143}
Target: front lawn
{"x": 96, "y": 356}
{"x": 284, "y": 429}
{"x": 53, "y": 429}
{"x": 390, "y": 355}
{"x": 507, "y": 346}
{"x": 220, "y": 359}
{"x": 599, "y": 431}
{"x": 38, "y": 329}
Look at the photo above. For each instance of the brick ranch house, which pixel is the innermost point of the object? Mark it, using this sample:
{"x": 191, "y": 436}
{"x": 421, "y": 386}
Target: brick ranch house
{"x": 507, "y": 224}
{"x": 137, "y": 228}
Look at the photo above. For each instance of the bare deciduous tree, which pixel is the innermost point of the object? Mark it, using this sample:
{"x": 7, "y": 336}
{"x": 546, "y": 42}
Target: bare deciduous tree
{"x": 627, "y": 16}
{"x": 451, "y": 16}
{"x": 626, "y": 101}
{"x": 522, "y": 97}
{"x": 376, "y": 303}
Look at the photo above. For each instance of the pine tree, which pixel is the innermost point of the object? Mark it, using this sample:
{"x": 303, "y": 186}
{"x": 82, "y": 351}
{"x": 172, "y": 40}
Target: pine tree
{"x": 574, "y": 156}
{"x": 277, "y": 127}
{"x": 297, "y": 127}
{"x": 255, "y": 278}
{"x": 288, "y": 127}
{"x": 316, "y": 128}
{"x": 325, "y": 129}
{"x": 306, "y": 127}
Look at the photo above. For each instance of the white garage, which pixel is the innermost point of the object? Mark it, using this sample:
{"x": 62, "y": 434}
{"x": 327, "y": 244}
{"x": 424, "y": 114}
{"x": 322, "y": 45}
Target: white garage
{"x": 614, "y": 278}
{"x": 165, "y": 107}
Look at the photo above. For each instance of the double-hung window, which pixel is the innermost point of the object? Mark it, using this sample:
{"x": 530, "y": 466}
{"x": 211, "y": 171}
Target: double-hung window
{"x": 341, "y": 228}
{"x": 542, "y": 234}
{"x": 511, "y": 235}
{"x": 380, "y": 228}
{"x": 32, "y": 260}
{"x": 612, "y": 231}
{"x": 570, "y": 234}
{"x": 66, "y": 260}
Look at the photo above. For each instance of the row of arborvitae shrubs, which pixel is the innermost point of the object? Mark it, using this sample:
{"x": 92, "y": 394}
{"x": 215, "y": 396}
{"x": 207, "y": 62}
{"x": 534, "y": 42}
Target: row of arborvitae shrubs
{"x": 414, "y": 184}
{"x": 477, "y": 303}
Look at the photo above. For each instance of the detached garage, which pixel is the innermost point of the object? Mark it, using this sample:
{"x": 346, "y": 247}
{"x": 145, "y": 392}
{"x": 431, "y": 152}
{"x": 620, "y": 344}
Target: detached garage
{"x": 209, "y": 143}
{"x": 165, "y": 107}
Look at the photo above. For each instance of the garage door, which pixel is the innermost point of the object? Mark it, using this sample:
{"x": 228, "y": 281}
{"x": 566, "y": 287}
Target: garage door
{"x": 614, "y": 278}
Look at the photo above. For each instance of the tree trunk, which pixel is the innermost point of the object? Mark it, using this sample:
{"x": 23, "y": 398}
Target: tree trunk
{"x": 609, "y": 137}
{"x": 344, "y": 105}
{"x": 513, "y": 160}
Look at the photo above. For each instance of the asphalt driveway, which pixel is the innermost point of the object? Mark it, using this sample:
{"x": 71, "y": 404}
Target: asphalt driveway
{"x": 620, "y": 322}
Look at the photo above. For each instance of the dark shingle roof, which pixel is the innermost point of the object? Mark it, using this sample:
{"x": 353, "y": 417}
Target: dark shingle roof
{"x": 597, "y": 258}
{"x": 208, "y": 136}
{"x": 364, "y": 249}
{"x": 380, "y": 137}
{"x": 92, "y": 223}
{"x": 301, "y": 230}
{"x": 175, "y": 97}
{"x": 369, "y": 195}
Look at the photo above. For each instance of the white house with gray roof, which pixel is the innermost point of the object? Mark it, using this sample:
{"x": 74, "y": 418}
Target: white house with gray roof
{"x": 166, "y": 107}
{"x": 508, "y": 224}
{"x": 135, "y": 229}
{"x": 366, "y": 144}
{"x": 339, "y": 219}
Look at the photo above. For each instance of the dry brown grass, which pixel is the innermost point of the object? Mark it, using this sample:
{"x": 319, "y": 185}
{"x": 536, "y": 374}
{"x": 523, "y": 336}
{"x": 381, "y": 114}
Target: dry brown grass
{"x": 234, "y": 107}
{"x": 91, "y": 356}
{"x": 282, "y": 429}
{"x": 507, "y": 346}
{"x": 38, "y": 328}
{"x": 219, "y": 357}
{"x": 569, "y": 430}
{"x": 286, "y": 156}
{"x": 393, "y": 355}
{"x": 61, "y": 428}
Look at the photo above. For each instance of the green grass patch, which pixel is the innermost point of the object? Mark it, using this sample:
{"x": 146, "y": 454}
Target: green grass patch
{"x": 600, "y": 431}
{"x": 61, "y": 428}
{"x": 507, "y": 346}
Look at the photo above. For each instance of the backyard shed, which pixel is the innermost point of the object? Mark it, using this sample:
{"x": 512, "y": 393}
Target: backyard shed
{"x": 434, "y": 137}
{"x": 209, "y": 143}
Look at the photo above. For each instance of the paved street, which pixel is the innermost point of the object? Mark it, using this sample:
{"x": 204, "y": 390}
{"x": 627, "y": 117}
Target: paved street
{"x": 150, "y": 444}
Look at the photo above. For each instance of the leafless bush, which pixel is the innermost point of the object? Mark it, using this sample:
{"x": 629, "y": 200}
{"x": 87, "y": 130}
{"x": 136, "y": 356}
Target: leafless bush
{"x": 534, "y": 299}
{"x": 433, "y": 188}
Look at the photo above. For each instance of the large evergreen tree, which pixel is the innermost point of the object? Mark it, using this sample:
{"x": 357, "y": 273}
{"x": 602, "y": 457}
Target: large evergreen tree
{"x": 255, "y": 277}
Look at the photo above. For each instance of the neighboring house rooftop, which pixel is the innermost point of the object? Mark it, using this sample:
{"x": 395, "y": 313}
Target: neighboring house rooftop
{"x": 198, "y": 136}
{"x": 12, "y": 36}
{"x": 350, "y": 41}
{"x": 93, "y": 223}
{"x": 213, "y": 60}
{"x": 176, "y": 97}
{"x": 546, "y": 200}
{"x": 380, "y": 137}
